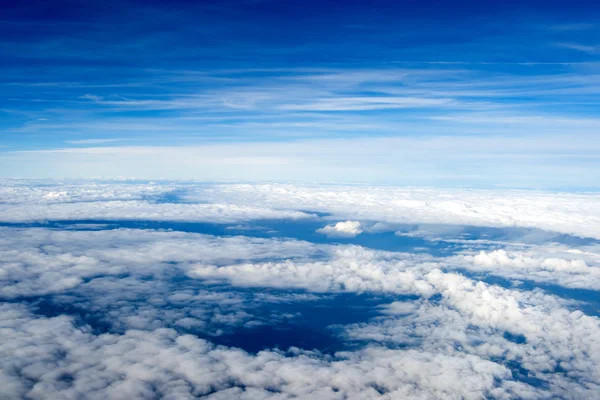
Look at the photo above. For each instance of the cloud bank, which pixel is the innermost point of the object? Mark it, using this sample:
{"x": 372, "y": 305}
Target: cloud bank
{"x": 567, "y": 213}
{"x": 92, "y": 310}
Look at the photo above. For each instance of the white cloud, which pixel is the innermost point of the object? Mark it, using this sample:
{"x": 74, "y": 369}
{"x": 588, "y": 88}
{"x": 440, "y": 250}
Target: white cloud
{"x": 454, "y": 337}
{"x": 349, "y": 269}
{"x": 368, "y": 103}
{"x": 451, "y": 348}
{"x": 96, "y": 141}
{"x": 64, "y": 361}
{"x": 569, "y": 213}
{"x": 342, "y": 229}
{"x": 39, "y": 261}
{"x": 555, "y": 264}
{"x": 25, "y": 202}
{"x": 589, "y": 49}
{"x": 145, "y": 211}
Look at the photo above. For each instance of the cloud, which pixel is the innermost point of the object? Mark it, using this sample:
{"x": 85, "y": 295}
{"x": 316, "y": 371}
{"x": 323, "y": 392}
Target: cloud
{"x": 529, "y": 328}
{"x": 137, "y": 312}
{"x": 106, "y": 201}
{"x": 368, "y": 103}
{"x": 342, "y": 229}
{"x": 589, "y": 49}
{"x": 568, "y": 213}
{"x": 96, "y": 141}
{"x": 458, "y": 336}
{"x": 156, "y": 358}
{"x": 441, "y": 215}
{"x": 349, "y": 269}
{"x": 552, "y": 264}
{"x": 67, "y": 361}
{"x": 140, "y": 210}
{"x": 39, "y": 261}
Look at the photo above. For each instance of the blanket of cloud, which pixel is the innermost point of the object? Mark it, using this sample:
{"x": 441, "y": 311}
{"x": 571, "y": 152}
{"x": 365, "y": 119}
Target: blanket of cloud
{"x": 182, "y": 290}
{"x": 568, "y": 213}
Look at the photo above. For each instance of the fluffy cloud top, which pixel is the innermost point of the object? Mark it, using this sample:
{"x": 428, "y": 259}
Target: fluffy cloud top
{"x": 64, "y": 361}
{"x": 567, "y": 213}
{"x": 135, "y": 313}
{"x": 342, "y": 229}
{"x": 456, "y": 345}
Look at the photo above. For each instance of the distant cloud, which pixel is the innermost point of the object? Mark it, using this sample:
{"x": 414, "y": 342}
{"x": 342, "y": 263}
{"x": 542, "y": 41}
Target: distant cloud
{"x": 367, "y": 103}
{"x": 91, "y": 97}
{"x": 590, "y": 49}
{"x": 568, "y": 213}
{"x": 95, "y": 141}
{"x": 125, "y": 202}
{"x": 342, "y": 229}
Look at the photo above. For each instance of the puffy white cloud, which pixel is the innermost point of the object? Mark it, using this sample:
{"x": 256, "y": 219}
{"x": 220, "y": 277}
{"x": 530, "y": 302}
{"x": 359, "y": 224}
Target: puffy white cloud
{"x": 33, "y": 192}
{"x": 23, "y": 202}
{"x": 145, "y": 211}
{"x": 456, "y": 347}
{"x": 555, "y": 264}
{"x": 350, "y": 269}
{"x": 51, "y": 357}
{"x": 342, "y": 229}
{"x": 456, "y": 337}
{"x": 529, "y": 328}
{"x": 38, "y": 261}
{"x": 568, "y": 213}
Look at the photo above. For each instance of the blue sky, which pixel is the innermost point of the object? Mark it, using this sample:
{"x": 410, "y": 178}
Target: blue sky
{"x": 418, "y": 93}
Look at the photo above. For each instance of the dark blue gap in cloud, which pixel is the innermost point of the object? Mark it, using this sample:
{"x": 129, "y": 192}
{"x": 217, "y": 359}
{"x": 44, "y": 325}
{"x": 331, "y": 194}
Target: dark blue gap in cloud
{"x": 315, "y": 324}
{"x": 312, "y": 325}
{"x": 300, "y": 230}
{"x": 306, "y": 230}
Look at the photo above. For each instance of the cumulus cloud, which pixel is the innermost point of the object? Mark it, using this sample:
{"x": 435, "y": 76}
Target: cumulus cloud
{"x": 553, "y": 263}
{"x": 481, "y": 319}
{"x": 141, "y": 210}
{"x": 131, "y": 313}
{"x": 457, "y": 346}
{"x": 40, "y": 261}
{"x": 342, "y": 229}
{"x": 529, "y": 328}
{"x": 66, "y": 361}
{"x": 566, "y": 213}
{"x": 350, "y": 269}
{"x": 27, "y": 203}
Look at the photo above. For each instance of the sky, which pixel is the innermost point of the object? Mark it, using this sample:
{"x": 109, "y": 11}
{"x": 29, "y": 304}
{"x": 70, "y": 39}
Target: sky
{"x": 262, "y": 199}
{"x": 469, "y": 94}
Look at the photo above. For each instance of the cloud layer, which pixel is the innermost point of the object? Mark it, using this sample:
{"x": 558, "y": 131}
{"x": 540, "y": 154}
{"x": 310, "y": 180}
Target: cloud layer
{"x": 568, "y": 213}
{"x": 93, "y": 310}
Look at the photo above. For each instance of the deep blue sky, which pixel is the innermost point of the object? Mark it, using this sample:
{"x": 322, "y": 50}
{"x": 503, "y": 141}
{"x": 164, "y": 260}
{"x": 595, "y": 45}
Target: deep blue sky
{"x": 405, "y": 92}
